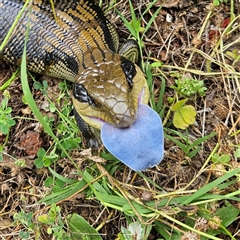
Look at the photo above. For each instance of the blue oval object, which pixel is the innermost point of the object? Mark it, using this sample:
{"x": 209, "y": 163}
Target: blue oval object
{"x": 139, "y": 146}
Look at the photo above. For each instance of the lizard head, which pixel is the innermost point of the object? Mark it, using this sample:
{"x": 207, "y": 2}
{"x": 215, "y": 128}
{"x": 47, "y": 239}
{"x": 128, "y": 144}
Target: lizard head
{"x": 109, "y": 91}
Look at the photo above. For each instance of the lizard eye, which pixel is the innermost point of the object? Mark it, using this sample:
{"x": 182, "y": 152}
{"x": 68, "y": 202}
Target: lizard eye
{"x": 81, "y": 94}
{"x": 129, "y": 70}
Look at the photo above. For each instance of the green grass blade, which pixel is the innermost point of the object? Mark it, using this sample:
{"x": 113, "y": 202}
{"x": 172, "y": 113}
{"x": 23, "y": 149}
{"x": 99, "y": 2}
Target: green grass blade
{"x": 61, "y": 178}
{"x": 9, "y": 81}
{"x": 149, "y": 6}
{"x": 64, "y": 193}
{"x": 210, "y": 186}
{"x": 134, "y": 18}
{"x": 151, "y": 21}
{"x": 202, "y": 139}
{"x": 161, "y": 94}
{"x": 181, "y": 145}
{"x": 14, "y": 25}
{"x": 127, "y": 24}
{"x": 194, "y": 152}
{"x": 150, "y": 85}
{"x": 96, "y": 187}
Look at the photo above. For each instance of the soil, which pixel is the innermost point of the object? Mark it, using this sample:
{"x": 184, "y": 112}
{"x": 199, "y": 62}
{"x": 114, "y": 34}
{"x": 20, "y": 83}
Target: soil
{"x": 173, "y": 39}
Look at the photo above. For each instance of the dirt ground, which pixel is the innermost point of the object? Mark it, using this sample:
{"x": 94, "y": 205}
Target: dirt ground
{"x": 174, "y": 40}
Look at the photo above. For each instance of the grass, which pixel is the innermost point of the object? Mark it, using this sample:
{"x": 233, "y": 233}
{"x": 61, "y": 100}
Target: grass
{"x": 154, "y": 203}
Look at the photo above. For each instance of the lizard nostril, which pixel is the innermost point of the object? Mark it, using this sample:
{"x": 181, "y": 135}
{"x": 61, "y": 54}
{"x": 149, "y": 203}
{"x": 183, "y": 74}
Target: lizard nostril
{"x": 117, "y": 120}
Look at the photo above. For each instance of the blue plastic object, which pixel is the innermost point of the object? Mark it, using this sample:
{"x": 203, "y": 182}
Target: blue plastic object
{"x": 139, "y": 146}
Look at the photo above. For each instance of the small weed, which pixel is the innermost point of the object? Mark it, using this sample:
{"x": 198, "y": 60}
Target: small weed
{"x": 189, "y": 148}
{"x": 53, "y": 220}
{"x": 25, "y": 219}
{"x": 69, "y": 143}
{"x": 134, "y": 26}
{"x": 41, "y": 86}
{"x": 21, "y": 163}
{"x": 44, "y": 159}
{"x": 217, "y": 158}
{"x": 66, "y": 129}
{"x": 187, "y": 87}
{"x": 6, "y": 120}
{"x": 185, "y": 115}
{"x": 55, "y": 184}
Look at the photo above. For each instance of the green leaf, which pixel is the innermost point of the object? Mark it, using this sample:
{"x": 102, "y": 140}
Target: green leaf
{"x": 224, "y": 158}
{"x": 188, "y": 113}
{"x": 178, "y": 105}
{"x": 49, "y": 230}
{"x": 11, "y": 122}
{"x": 43, "y": 218}
{"x": 216, "y": 3}
{"x": 152, "y": 19}
{"x": 24, "y": 100}
{"x": 41, "y": 152}
{"x": 8, "y": 110}
{"x": 4, "y": 103}
{"x": 227, "y": 214}
{"x": 136, "y": 25}
{"x": 201, "y": 140}
{"x": 48, "y": 182}
{"x": 24, "y": 235}
{"x": 185, "y": 116}
{"x": 81, "y": 229}
{"x": 38, "y": 162}
{"x": 178, "y": 121}
{"x": 181, "y": 145}
{"x": 237, "y": 153}
{"x": 156, "y": 64}
{"x": 4, "y": 129}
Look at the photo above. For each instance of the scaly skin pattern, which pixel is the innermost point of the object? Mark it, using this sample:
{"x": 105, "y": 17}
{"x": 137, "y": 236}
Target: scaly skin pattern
{"x": 77, "y": 43}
